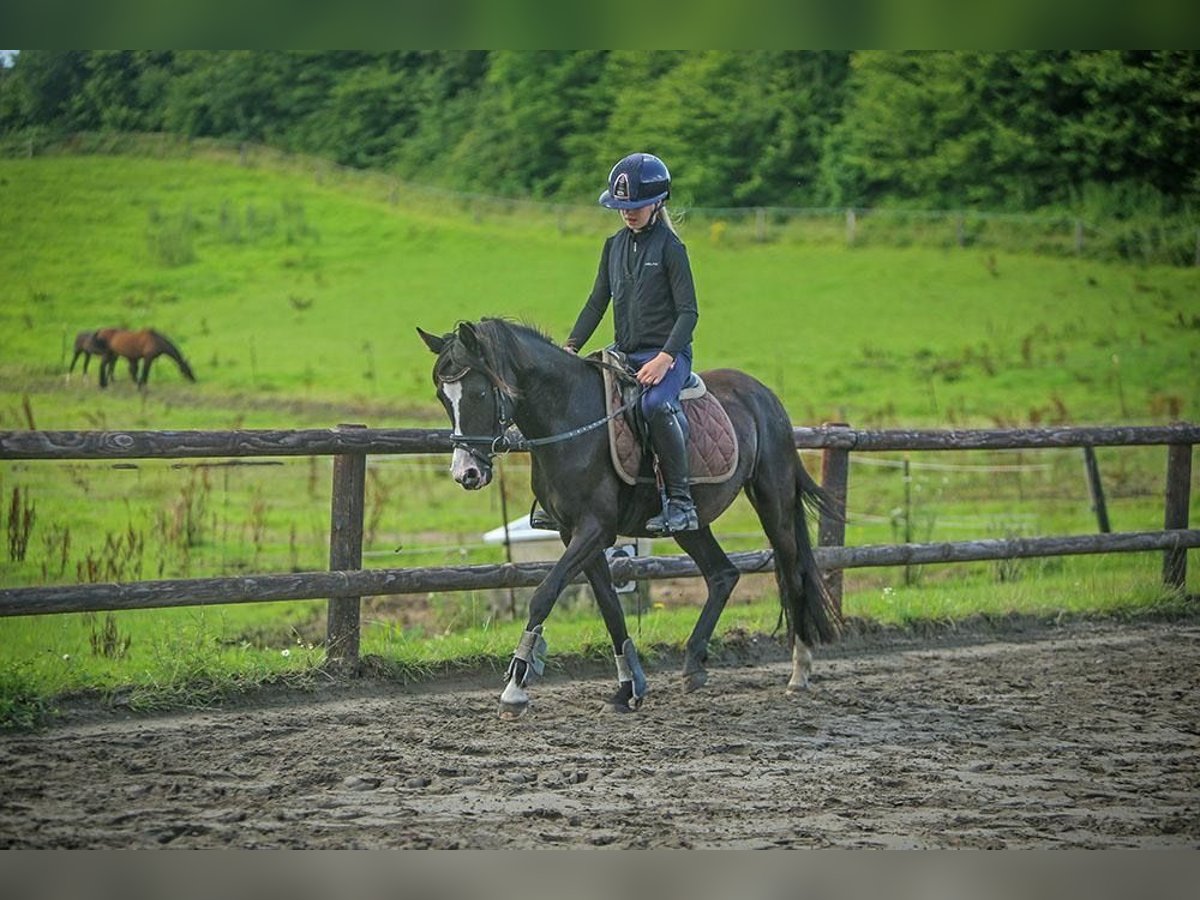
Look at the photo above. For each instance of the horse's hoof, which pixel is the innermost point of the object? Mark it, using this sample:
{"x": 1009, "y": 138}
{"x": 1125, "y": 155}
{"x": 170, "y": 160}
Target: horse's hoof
{"x": 510, "y": 712}
{"x": 623, "y": 700}
{"x": 693, "y": 681}
{"x": 797, "y": 687}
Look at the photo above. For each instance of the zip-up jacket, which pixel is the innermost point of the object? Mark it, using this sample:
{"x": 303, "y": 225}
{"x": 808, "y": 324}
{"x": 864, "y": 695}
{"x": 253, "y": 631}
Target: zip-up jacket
{"x": 647, "y": 276}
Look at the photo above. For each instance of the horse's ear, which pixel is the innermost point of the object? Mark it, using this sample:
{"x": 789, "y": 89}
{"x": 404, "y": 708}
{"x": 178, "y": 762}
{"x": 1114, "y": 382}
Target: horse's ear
{"x": 433, "y": 342}
{"x": 469, "y": 339}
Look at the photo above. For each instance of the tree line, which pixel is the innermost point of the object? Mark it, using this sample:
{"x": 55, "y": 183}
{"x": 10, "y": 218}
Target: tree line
{"x": 1115, "y": 132}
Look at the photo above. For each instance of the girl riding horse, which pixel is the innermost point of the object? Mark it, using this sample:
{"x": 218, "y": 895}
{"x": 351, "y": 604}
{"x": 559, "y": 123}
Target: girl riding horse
{"x": 493, "y": 374}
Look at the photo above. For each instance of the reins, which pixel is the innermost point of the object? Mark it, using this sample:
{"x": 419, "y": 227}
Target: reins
{"x": 503, "y": 443}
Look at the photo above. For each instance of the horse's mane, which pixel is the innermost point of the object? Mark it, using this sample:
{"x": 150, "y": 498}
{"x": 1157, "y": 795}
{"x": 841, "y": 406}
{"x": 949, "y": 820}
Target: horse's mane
{"x": 505, "y": 347}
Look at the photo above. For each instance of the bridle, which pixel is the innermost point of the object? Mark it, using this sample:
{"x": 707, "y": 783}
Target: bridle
{"x": 503, "y": 441}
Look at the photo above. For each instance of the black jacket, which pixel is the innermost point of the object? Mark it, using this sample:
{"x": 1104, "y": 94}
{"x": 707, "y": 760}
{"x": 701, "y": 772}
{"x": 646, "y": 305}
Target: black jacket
{"x": 649, "y": 279}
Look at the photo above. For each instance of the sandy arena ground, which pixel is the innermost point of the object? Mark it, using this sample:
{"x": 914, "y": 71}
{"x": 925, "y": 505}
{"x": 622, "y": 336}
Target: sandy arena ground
{"x": 1084, "y": 734}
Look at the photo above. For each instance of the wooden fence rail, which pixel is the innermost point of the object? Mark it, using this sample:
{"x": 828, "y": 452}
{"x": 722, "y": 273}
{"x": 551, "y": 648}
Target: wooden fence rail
{"x": 346, "y": 581}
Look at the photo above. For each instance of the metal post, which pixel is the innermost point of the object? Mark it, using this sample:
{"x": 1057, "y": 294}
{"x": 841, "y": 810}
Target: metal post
{"x": 831, "y": 530}
{"x": 1179, "y": 484}
{"x": 1096, "y": 489}
{"x": 908, "y": 534}
{"x": 345, "y": 554}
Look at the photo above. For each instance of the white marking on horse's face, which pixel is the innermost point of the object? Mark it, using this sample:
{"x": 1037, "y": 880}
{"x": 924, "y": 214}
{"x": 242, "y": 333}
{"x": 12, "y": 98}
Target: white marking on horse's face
{"x": 464, "y": 468}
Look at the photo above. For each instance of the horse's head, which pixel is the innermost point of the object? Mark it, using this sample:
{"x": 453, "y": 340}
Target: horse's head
{"x": 475, "y": 400}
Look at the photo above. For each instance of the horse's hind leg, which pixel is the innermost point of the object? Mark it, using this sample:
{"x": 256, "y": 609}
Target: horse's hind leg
{"x": 632, "y": 686}
{"x": 721, "y": 576}
{"x": 774, "y": 499}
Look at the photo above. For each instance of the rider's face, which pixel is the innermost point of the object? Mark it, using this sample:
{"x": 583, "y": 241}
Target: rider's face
{"x": 637, "y": 219}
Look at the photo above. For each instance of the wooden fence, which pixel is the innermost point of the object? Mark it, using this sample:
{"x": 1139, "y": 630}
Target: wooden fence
{"x": 346, "y": 581}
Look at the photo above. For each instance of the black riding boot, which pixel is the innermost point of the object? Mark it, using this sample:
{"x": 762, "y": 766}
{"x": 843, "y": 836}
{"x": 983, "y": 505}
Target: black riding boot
{"x": 668, "y": 431}
{"x": 539, "y": 518}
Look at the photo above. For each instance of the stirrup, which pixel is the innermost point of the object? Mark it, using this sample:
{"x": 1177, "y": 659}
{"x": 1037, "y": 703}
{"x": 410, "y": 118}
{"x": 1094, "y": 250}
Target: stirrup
{"x": 539, "y": 518}
{"x": 677, "y": 515}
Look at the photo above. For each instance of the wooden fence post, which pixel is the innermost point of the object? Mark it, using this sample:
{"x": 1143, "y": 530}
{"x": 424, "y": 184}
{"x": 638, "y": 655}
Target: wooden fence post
{"x": 1179, "y": 483}
{"x": 831, "y": 530}
{"x": 851, "y": 226}
{"x": 345, "y": 554}
{"x": 1096, "y": 489}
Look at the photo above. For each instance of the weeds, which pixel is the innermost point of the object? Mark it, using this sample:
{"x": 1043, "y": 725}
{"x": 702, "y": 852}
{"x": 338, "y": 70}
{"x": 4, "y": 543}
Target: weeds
{"x": 56, "y": 542}
{"x": 186, "y": 521}
{"x": 293, "y": 549}
{"x": 258, "y": 523}
{"x": 22, "y": 705}
{"x": 1007, "y": 571}
{"x": 108, "y": 642}
{"x": 378, "y": 498}
{"x": 119, "y": 560}
{"x": 22, "y": 513}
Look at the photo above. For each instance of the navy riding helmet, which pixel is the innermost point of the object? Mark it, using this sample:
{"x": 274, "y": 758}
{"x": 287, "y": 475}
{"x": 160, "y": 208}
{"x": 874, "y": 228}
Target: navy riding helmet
{"x": 636, "y": 181}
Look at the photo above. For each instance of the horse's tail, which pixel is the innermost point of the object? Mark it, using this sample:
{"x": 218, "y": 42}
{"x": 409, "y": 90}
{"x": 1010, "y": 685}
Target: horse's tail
{"x": 811, "y": 609}
{"x": 172, "y": 351}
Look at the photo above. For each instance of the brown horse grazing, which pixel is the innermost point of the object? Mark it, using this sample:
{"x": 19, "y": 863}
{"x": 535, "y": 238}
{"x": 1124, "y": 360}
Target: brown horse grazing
{"x": 87, "y": 344}
{"x": 143, "y": 346}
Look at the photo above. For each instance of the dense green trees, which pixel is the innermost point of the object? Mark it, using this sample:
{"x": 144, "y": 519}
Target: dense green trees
{"x": 1013, "y": 130}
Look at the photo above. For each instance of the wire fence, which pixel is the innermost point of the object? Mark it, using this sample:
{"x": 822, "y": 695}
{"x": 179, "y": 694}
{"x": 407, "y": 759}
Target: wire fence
{"x": 1148, "y": 239}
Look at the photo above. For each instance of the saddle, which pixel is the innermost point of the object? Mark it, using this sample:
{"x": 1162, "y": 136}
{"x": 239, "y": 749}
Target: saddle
{"x": 712, "y": 442}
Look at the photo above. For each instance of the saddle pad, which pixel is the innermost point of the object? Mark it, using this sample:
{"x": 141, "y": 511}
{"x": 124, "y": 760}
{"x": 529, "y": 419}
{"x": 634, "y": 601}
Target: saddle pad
{"x": 712, "y": 442}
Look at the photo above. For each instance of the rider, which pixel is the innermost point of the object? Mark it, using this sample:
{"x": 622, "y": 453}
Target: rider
{"x": 644, "y": 271}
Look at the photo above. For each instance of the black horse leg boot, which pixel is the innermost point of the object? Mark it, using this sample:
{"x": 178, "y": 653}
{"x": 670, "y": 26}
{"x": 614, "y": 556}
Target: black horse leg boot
{"x": 668, "y": 431}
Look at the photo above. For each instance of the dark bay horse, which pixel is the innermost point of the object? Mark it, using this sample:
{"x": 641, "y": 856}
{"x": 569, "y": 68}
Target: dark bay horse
{"x": 495, "y": 373}
{"x": 87, "y": 345}
{"x": 142, "y": 347}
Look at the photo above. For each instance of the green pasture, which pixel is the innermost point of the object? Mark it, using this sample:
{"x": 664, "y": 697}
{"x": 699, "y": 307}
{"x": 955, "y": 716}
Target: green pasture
{"x": 294, "y": 291}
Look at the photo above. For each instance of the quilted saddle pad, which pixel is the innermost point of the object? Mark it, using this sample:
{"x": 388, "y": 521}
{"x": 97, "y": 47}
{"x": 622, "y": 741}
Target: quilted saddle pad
{"x": 712, "y": 442}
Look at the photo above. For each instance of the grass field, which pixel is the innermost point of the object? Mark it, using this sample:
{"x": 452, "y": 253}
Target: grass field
{"x": 295, "y": 297}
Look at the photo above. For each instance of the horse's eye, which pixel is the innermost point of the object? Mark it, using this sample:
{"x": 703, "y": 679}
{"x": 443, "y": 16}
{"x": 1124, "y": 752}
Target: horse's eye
{"x": 481, "y": 394}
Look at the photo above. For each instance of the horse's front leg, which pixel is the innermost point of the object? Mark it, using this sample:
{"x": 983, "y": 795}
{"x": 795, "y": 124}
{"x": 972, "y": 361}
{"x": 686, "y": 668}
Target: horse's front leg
{"x": 529, "y": 657}
{"x": 632, "y": 686}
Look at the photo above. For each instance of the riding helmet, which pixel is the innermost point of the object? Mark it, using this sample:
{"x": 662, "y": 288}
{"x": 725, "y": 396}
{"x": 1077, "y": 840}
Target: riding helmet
{"x": 636, "y": 181}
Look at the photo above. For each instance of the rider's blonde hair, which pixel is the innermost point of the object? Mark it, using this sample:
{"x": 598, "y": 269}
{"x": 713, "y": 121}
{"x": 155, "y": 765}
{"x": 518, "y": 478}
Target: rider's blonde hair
{"x": 666, "y": 218}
